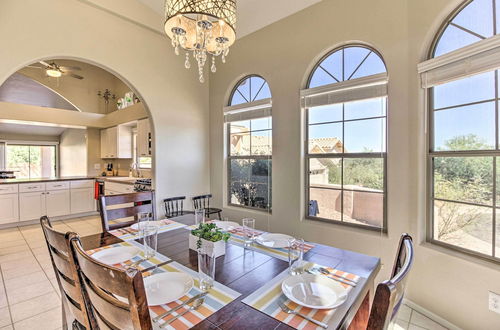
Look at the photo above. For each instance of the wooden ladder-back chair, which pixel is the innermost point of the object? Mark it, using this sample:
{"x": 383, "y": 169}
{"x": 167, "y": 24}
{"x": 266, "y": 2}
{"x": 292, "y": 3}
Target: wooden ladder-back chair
{"x": 142, "y": 202}
{"x": 117, "y": 296}
{"x": 73, "y": 300}
{"x": 389, "y": 294}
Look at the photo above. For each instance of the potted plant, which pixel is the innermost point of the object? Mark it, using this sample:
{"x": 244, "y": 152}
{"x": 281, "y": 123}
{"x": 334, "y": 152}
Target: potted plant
{"x": 209, "y": 236}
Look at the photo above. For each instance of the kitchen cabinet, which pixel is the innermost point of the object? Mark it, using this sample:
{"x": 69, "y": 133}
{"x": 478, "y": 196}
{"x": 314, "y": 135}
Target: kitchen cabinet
{"x": 82, "y": 200}
{"x": 116, "y": 142}
{"x": 57, "y": 203}
{"x": 31, "y": 205}
{"x": 9, "y": 204}
{"x": 143, "y": 138}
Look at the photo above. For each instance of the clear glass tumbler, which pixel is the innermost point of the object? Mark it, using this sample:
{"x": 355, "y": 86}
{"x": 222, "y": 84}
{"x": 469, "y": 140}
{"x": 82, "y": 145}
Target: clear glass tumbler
{"x": 249, "y": 230}
{"x": 295, "y": 256}
{"x": 150, "y": 241}
{"x": 206, "y": 267}
{"x": 142, "y": 219}
{"x": 199, "y": 216}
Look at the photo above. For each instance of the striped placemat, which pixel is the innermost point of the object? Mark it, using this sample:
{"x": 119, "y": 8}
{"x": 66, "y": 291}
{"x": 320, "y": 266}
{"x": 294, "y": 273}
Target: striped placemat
{"x": 238, "y": 238}
{"x": 219, "y": 295}
{"x": 266, "y": 300}
{"x": 128, "y": 233}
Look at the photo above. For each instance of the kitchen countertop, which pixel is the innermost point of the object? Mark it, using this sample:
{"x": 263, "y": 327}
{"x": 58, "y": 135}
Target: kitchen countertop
{"x": 62, "y": 178}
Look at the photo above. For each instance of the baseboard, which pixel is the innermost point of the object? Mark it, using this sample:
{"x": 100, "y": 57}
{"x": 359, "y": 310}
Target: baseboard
{"x": 431, "y": 315}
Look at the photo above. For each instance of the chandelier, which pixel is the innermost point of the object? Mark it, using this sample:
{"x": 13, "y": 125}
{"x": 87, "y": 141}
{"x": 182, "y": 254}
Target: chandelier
{"x": 201, "y": 27}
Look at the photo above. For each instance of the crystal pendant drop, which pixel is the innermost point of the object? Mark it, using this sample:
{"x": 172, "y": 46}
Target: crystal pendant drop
{"x": 213, "y": 68}
{"x": 187, "y": 63}
{"x": 223, "y": 58}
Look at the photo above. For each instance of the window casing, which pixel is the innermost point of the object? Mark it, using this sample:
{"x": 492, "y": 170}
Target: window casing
{"x": 345, "y": 157}
{"x": 31, "y": 161}
{"x": 249, "y": 145}
{"x": 463, "y": 150}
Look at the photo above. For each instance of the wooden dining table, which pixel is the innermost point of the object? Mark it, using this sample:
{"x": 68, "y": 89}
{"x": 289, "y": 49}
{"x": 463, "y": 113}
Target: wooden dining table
{"x": 245, "y": 271}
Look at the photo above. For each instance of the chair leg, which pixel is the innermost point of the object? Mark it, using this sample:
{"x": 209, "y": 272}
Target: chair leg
{"x": 219, "y": 216}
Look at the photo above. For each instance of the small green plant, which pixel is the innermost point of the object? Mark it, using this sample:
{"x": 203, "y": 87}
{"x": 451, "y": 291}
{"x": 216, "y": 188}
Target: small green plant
{"x": 209, "y": 232}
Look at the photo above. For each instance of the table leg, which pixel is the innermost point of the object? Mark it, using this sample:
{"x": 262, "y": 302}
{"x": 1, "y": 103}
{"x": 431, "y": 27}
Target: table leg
{"x": 360, "y": 321}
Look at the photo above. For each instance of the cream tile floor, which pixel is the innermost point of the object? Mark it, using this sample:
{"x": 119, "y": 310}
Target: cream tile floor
{"x": 30, "y": 297}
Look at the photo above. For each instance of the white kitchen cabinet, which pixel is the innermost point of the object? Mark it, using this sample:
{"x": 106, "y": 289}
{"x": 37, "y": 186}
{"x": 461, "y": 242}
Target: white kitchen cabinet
{"x": 116, "y": 142}
{"x": 9, "y": 206}
{"x": 31, "y": 205}
{"x": 143, "y": 138}
{"x": 57, "y": 203}
{"x": 82, "y": 200}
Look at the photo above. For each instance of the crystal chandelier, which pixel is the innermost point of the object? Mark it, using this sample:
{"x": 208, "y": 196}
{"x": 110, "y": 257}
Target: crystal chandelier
{"x": 203, "y": 27}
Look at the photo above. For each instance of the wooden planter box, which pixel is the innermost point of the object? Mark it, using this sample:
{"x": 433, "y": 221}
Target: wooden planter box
{"x": 219, "y": 247}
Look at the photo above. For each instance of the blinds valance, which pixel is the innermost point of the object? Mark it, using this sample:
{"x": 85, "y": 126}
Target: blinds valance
{"x": 247, "y": 111}
{"x": 346, "y": 91}
{"x": 479, "y": 57}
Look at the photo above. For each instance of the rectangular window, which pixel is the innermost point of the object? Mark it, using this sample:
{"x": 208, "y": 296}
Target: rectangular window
{"x": 250, "y": 163}
{"x": 31, "y": 161}
{"x": 464, "y": 158}
{"x": 346, "y": 163}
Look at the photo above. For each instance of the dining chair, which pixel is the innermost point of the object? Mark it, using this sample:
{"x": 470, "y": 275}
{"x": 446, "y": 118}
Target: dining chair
{"x": 117, "y": 296}
{"x": 389, "y": 294}
{"x": 203, "y": 202}
{"x": 120, "y": 208}
{"x": 174, "y": 206}
{"x": 74, "y": 303}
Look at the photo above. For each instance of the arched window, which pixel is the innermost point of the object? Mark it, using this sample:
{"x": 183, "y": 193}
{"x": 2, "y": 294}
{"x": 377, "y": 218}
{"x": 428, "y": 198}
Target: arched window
{"x": 346, "y": 106}
{"x": 462, "y": 80}
{"x": 249, "y": 152}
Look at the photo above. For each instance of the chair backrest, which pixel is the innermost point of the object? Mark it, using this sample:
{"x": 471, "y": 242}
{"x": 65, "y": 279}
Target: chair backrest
{"x": 117, "y": 296}
{"x": 66, "y": 273}
{"x": 174, "y": 206}
{"x": 142, "y": 202}
{"x": 389, "y": 294}
{"x": 202, "y": 201}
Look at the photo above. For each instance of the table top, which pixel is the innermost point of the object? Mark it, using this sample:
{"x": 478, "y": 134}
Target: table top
{"x": 246, "y": 271}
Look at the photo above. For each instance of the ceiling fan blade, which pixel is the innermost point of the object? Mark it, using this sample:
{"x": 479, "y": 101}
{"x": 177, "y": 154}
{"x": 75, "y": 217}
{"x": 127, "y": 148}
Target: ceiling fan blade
{"x": 70, "y": 68}
{"x": 45, "y": 63}
{"x": 73, "y": 75}
{"x": 34, "y": 67}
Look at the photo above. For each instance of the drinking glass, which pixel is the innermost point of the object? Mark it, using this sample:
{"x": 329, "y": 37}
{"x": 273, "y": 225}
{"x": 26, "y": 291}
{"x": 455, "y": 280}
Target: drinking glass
{"x": 206, "y": 267}
{"x": 199, "y": 216}
{"x": 150, "y": 241}
{"x": 142, "y": 219}
{"x": 249, "y": 230}
{"x": 295, "y": 256}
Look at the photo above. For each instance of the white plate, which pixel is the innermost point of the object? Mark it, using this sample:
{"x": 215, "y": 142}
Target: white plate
{"x": 226, "y": 225}
{"x": 116, "y": 255}
{"x": 163, "y": 288}
{"x": 273, "y": 240}
{"x": 157, "y": 223}
{"x": 314, "y": 291}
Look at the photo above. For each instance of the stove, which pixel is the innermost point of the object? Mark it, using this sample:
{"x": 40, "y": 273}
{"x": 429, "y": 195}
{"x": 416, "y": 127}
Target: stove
{"x": 142, "y": 185}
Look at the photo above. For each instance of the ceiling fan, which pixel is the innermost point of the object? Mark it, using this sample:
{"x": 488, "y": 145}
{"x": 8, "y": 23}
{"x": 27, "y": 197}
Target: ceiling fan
{"x": 56, "y": 71}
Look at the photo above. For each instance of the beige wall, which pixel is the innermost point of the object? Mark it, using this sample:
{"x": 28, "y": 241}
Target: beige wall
{"x": 73, "y": 152}
{"x": 142, "y": 58}
{"x": 454, "y": 287}
{"x": 81, "y": 93}
{"x": 28, "y": 137}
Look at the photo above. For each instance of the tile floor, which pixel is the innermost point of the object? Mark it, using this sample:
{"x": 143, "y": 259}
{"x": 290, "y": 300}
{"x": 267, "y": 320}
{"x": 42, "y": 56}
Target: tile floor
{"x": 29, "y": 295}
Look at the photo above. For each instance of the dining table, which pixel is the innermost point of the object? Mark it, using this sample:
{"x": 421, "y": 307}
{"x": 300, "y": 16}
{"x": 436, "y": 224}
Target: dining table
{"x": 246, "y": 270}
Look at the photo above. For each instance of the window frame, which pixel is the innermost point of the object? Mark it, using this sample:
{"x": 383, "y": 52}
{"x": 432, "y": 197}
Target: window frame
{"x": 267, "y": 210}
{"x": 431, "y": 153}
{"x": 35, "y": 144}
{"x": 343, "y": 155}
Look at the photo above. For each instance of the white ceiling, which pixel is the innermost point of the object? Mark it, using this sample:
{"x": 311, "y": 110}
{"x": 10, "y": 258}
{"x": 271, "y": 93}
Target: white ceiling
{"x": 252, "y": 15}
{"x": 31, "y": 129}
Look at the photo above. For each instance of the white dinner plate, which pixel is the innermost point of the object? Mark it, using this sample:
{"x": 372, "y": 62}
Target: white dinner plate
{"x": 273, "y": 240}
{"x": 116, "y": 255}
{"x": 314, "y": 291}
{"x": 157, "y": 223}
{"x": 226, "y": 225}
{"x": 163, "y": 288}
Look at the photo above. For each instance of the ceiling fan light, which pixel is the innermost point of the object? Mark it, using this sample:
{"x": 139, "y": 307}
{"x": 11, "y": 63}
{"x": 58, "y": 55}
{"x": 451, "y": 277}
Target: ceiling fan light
{"x": 53, "y": 73}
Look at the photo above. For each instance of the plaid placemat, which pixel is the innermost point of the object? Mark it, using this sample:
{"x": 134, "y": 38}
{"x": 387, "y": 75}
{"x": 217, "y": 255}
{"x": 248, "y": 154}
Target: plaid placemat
{"x": 238, "y": 238}
{"x": 266, "y": 300}
{"x": 219, "y": 295}
{"x": 128, "y": 233}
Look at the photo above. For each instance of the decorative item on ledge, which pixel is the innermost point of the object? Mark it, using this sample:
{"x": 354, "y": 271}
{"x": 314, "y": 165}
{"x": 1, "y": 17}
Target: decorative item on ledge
{"x": 205, "y": 27}
{"x": 209, "y": 236}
